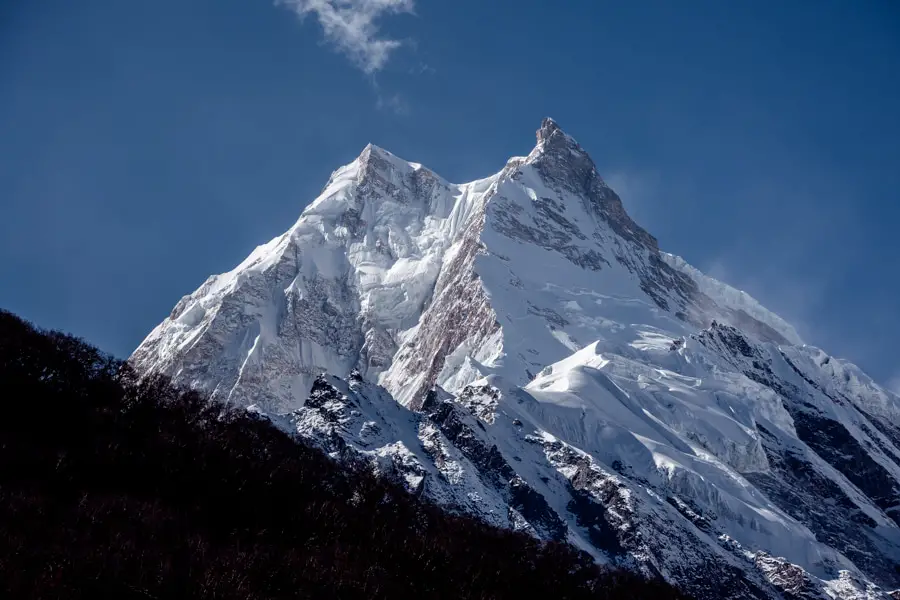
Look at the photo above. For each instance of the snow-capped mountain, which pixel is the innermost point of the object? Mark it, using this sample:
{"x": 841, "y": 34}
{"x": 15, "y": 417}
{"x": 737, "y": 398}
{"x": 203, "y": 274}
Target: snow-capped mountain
{"x": 518, "y": 348}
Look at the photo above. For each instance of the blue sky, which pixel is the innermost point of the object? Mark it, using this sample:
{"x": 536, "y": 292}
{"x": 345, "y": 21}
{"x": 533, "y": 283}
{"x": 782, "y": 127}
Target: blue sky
{"x": 146, "y": 145}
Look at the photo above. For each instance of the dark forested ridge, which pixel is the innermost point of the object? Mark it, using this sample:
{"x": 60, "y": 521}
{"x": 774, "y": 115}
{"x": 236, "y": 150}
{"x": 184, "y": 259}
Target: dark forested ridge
{"x": 114, "y": 488}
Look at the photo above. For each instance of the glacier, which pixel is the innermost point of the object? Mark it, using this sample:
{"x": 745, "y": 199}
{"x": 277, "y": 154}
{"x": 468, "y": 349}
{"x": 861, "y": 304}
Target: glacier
{"x": 519, "y": 349}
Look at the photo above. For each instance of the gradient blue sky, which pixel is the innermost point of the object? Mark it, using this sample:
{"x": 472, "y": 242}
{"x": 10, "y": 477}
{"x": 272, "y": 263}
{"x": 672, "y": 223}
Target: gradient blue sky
{"x": 146, "y": 145}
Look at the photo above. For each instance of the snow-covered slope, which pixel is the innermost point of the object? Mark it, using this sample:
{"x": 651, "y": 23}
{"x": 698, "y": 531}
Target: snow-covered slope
{"x": 519, "y": 349}
{"x": 333, "y": 293}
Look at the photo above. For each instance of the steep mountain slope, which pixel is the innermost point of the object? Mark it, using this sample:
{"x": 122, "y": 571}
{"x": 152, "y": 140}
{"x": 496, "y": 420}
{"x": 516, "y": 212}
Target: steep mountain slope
{"x": 543, "y": 365}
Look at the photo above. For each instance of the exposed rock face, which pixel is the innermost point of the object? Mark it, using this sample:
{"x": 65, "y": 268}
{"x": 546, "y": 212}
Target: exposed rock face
{"x": 460, "y": 312}
{"x": 518, "y": 348}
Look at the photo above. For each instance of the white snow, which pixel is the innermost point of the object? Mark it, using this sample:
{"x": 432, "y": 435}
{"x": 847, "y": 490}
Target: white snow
{"x": 593, "y": 374}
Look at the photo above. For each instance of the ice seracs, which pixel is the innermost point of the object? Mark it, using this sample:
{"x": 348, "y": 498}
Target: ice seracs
{"x": 518, "y": 348}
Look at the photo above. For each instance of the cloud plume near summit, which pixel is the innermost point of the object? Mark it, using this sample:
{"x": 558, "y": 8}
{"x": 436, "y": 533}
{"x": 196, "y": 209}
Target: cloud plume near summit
{"x": 351, "y": 27}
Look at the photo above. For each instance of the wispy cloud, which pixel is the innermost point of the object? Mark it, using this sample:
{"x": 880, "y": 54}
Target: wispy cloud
{"x": 792, "y": 297}
{"x": 639, "y": 192}
{"x": 626, "y": 185}
{"x": 351, "y": 27}
{"x": 395, "y": 103}
{"x": 422, "y": 69}
{"x": 893, "y": 384}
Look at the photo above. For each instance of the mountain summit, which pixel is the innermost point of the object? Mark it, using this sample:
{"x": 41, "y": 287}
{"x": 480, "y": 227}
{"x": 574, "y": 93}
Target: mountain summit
{"x": 518, "y": 348}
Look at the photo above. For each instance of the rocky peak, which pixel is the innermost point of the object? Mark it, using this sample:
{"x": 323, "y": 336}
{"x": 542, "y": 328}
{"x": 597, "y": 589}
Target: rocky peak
{"x": 382, "y": 174}
{"x": 552, "y": 139}
{"x": 548, "y": 129}
{"x": 566, "y": 166}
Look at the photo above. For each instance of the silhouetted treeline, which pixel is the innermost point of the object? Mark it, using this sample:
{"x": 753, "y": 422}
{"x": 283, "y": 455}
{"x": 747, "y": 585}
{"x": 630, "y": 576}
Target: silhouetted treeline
{"x": 115, "y": 488}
